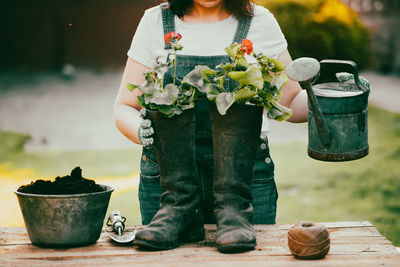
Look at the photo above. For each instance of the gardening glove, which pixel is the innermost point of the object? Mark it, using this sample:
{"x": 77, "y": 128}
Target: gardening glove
{"x": 345, "y": 77}
{"x": 145, "y": 130}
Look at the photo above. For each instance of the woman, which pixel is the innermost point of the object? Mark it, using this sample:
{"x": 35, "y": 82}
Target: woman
{"x": 207, "y": 27}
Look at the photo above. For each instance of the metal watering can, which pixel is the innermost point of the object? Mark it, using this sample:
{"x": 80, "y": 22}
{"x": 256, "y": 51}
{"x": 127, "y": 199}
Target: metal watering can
{"x": 337, "y": 112}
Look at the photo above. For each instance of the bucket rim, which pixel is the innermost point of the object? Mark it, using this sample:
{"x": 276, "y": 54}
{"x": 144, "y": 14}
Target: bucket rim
{"x": 109, "y": 189}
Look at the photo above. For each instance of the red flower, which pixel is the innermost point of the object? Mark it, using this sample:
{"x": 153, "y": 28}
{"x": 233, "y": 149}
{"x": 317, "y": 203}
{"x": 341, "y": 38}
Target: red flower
{"x": 172, "y": 36}
{"x": 177, "y": 36}
{"x": 247, "y": 46}
{"x": 167, "y": 37}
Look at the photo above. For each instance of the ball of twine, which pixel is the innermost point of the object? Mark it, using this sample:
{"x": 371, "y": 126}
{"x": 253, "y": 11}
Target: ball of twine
{"x": 308, "y": 240}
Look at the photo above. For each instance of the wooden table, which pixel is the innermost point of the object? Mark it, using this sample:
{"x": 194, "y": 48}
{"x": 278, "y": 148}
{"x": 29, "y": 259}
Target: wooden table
{"x": 352, "y": 244}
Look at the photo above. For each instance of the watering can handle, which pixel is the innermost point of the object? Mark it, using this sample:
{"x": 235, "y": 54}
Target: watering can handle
{"x": 329, "y": 68}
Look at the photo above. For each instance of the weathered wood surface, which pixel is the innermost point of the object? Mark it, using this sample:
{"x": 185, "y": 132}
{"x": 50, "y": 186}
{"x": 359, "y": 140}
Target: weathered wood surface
{"x": 352, "y": 244}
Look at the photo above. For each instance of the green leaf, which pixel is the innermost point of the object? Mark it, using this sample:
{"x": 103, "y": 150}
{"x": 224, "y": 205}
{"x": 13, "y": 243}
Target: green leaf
{"x": 220, "y": 81}
{"x": 207, "y": 76}
{"x": 226, "y": 67}
{"x": 232, "y": 50}
{"x": 211, "y": 92}
{"x": 266, "y": 76}
{"x": 272, "y": 92}
{"x": 149, "y": 89}
{"x": 150, "y": 77}
{"x": 207, "y": 73}
{"x": 242, "y": 62}
{"x": 166, "y": 97}
{"x": 279, "y": 112}
{"x": 187, "y": 106}
{"x": 164, "y": 109}
{"x": 162, "y": 67}
{"x": 195, "y": 77}
{"x": 131, "y": 87}
{"x": 223, "y": 102}
{"x": 252, "y": 76}
{"x": 244, "y": 94}
{"x": 141, "y": 101}
{"x": 279, "y": 80}
{"x": 275, "y": 65}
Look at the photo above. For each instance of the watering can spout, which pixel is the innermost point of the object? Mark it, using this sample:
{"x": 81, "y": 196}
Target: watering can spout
{"x": 304, "y": 70}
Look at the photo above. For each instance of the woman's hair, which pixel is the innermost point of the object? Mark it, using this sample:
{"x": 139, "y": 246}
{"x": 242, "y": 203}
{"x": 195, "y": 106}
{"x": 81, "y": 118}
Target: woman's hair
{"x": 238, "y": 8}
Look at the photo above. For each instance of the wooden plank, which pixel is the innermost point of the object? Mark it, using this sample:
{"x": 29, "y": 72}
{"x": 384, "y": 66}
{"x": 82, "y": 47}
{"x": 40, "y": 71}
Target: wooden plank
{"x": 350, "y": 224}
{"x": 279, "y": 242}
{"x": 110, "y": 249}
{"x": 16, "y": 235}
{"x": 13, "y": 235}
{"x": 352, "y": 244}
{"x": 199, "y": 257}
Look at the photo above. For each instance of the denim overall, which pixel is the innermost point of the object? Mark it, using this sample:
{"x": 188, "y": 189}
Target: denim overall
{"x": 263, "y": 188}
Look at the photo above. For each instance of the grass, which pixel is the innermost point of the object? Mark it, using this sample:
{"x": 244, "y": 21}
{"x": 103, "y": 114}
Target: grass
{"x": 365, "y": 189}
{"x": 94, "y": 163}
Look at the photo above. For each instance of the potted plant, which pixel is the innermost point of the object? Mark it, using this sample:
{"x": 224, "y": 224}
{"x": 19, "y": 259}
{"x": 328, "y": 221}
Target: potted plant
{"x": 236, "y": 118}
{"x": 170, "y": 107}
{"x": 259, "y": 83}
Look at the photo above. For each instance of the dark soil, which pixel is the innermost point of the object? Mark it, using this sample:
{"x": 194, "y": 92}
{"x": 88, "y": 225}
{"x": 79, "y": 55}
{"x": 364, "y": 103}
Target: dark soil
{"x": 70, "y": 184}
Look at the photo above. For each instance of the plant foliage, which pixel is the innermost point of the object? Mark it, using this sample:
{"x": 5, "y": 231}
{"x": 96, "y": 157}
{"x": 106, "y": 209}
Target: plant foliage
{"x": 169, "y": 99}
{"x": 259, "y": 84}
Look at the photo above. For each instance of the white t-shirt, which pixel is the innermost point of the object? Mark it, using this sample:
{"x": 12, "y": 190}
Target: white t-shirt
{"x": 206, "y": 39}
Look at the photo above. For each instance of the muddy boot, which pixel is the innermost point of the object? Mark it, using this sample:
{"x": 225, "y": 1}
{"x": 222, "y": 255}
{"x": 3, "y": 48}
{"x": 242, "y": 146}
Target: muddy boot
{"x": 194, "y": 231}
{"x": 175, "y": 151}
{"x": 236, "y": 136}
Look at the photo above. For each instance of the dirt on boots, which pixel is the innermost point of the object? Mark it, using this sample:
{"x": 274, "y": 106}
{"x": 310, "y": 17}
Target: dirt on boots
{"x": 236, "y": 136}
{"x": 174, "y": 143}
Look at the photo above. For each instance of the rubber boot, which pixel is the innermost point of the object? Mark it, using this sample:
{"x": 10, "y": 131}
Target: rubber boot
{"x": 175, "y": 151}
{"x": 194, "y": 231}
{"x": 236, "y": 137}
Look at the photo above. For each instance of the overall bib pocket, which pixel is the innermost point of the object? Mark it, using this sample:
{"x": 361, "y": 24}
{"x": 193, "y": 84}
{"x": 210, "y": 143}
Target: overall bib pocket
{"x": 148, "y": 166}
{"x": 149, "y": 192}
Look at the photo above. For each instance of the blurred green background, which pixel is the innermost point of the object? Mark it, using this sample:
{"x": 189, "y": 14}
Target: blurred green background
{"x": 69, "y": 39}
{"x": 322, "y": 29}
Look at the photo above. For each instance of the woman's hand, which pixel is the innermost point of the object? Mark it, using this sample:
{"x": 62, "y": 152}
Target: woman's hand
{"x": 293, "y": 96}
{"x": 126, "y": 109}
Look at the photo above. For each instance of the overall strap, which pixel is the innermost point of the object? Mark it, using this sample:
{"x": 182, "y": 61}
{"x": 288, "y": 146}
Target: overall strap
{"x": 168, "y": 19}
{"x": 242, "y": 29}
